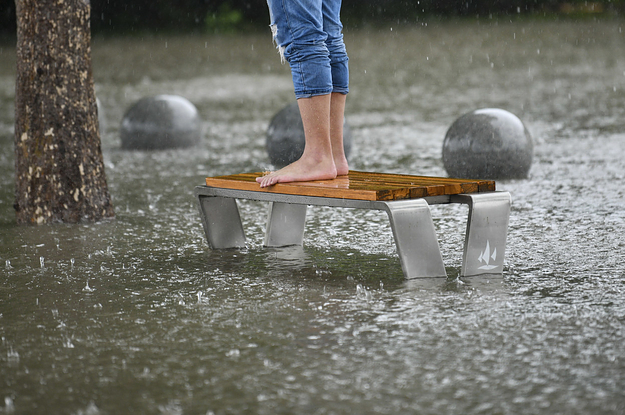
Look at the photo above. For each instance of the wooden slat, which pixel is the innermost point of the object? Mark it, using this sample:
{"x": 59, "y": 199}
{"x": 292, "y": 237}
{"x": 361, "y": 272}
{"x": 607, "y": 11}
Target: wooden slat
{"x": 466, "y": 186}
{"x": 360, "y": 186}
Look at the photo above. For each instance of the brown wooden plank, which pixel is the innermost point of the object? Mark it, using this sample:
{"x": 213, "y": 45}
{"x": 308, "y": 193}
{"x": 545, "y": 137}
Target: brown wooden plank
{"x": 486, "y": 186}
{"x": 434, "y": 185}
{"x": 324, "y": 188}
{"x": 385, "y": 191}
{"x": 318, "y": 188}
{"x": 452, "y": 186}
{"x": 467, "y": 184}
{"x": 360, "y": 185}
{"x": 403, "y": 177}
{"x": 362, "y": 178}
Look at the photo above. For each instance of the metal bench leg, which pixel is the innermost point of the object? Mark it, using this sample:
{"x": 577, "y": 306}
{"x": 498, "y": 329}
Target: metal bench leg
{"x": 285, "y": 225}
{"x": 487, "y": 228}
{"x": 415, "y": 238}
{"x": 222, "y": 222}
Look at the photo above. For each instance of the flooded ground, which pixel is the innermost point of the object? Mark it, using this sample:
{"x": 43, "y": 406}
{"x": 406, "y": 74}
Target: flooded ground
{"x": 137, "y": 315}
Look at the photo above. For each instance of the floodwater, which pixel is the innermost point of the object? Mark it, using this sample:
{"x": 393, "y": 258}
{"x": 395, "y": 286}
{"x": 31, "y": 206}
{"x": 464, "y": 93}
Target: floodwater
{"x": 137, "y": 315}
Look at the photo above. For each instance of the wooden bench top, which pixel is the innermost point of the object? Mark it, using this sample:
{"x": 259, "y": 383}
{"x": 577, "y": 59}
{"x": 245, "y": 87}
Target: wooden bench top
{"x": 359, "y": 185}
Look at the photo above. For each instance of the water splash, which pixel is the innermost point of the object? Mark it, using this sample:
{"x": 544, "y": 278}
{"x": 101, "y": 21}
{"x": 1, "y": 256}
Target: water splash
{"x": 172, "y": 408}
{"x": 359, "y": 289}
{"x": 42, "y": 262}
{"x": 363, "y": 293}
{"x": 13, "y": 356}
{"x": 91, "y": 409}
{"x": 7, "y": 264}
{"x": 88, "y": 289}
{"x": 233, "y": 353}
{"x": 9, "y": 407}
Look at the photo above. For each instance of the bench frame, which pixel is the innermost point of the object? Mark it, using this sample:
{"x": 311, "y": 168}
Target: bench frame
{"x": 411, "y": 223}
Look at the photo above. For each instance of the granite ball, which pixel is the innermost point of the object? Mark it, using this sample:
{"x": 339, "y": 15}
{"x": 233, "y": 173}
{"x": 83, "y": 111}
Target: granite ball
{"x": 160, "y": 122}
{"x": 285, "y": 136}
{"x": 488, "y": 143}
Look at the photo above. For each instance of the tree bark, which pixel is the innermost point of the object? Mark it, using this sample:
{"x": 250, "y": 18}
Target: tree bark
{"x": 59, "y": 167}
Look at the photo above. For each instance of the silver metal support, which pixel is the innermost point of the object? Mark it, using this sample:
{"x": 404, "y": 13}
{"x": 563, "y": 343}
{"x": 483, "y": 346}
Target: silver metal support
{"x": 411, "y": 222}
{"x": 222, "y": 222}
{"x": 285, "y": 224}
{"x": 487, "y": 228}
{"x": 415, "y": 237}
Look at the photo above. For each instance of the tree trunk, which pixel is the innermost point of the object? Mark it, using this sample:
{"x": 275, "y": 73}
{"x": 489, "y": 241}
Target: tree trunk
{"x": 58, "y": 159}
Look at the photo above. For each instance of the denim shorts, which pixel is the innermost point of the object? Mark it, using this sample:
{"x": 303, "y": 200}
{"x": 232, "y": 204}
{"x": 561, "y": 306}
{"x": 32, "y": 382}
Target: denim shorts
{"x": 309, "y": 36}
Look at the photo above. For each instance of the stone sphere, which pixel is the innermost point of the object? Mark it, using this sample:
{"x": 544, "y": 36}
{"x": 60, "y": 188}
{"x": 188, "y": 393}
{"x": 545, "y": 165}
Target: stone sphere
{"x": 160, "y": 122}
{"x": 488, "y": 143}
{"x": 285, "y": 136}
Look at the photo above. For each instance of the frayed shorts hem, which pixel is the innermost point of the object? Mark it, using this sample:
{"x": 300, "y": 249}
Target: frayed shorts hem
{"x": 299, "y": 95}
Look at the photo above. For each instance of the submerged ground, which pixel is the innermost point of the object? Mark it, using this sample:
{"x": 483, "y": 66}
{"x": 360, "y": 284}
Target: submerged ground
{"x": 137, "y": 315}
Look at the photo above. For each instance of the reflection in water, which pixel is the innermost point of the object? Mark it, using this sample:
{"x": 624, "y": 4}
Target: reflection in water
{"x": 137, "y": 315}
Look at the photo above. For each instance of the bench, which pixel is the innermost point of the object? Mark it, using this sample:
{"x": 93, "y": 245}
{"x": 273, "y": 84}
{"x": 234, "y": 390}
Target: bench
{"x": 405, "y": 198}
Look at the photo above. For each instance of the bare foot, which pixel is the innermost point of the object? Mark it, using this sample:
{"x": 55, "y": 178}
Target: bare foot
{"x": 301, "y": 170}
{"x": 342, "y": 167}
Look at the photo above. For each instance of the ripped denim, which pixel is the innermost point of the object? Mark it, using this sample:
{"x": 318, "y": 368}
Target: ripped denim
{"x": 309, "y": 37}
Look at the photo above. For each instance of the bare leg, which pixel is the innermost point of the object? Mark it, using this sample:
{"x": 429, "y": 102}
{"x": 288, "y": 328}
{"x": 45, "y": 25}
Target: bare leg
{"x": 317, "y": 162}
{"x": 337, "y": 115}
